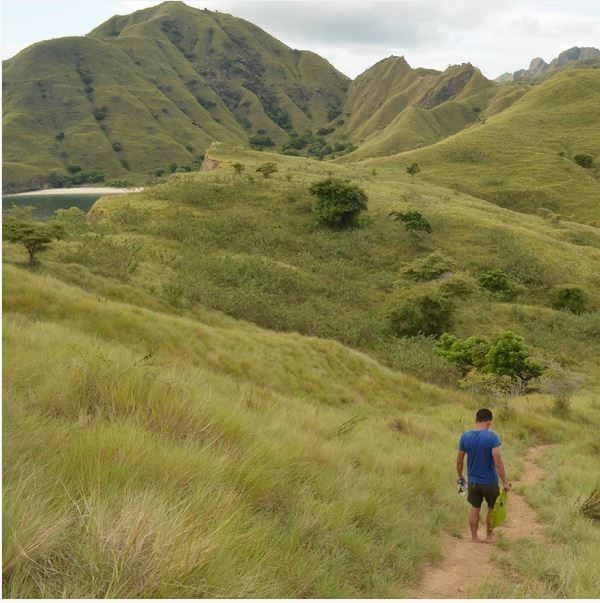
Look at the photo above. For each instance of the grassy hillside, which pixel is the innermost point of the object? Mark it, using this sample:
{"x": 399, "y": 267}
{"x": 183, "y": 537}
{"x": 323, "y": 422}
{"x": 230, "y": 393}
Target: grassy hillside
{"x": 522, "y": 158}
{"x": 148, "y": 92}
{"x": 157, "y": 447}
{"x": 190, "y": 427}
{"x": 153, "y": 89}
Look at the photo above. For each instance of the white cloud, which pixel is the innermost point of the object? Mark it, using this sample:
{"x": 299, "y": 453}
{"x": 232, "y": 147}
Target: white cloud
{"x": 355, "y": 34}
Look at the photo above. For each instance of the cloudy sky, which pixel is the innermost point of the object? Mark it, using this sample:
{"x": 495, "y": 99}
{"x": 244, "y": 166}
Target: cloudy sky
{"x": 494, "y": 36}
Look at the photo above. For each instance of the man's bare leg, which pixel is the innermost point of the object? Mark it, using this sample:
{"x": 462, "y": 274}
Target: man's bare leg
{"x": 488, "y": 520}
{"x": 474, "y": 523}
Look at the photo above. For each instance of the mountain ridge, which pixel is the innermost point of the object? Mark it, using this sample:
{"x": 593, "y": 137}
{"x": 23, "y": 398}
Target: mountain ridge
{"x": 538, "y": 68}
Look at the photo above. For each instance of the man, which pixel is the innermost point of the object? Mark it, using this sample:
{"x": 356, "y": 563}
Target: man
{"x": 484, "y": 464}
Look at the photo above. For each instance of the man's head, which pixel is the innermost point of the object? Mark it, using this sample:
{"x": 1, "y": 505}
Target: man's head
{"x": 484, "y": 417}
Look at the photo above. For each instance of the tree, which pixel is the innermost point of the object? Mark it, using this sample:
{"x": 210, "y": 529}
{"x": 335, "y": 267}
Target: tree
{"x": 504, "y": 354}
{"x": 339, "y": 203}
{"x": 266, "y": 169}
{"x": 60, "y": 136}
{"x": 34, "y": 236}
{"x": 584, "y": 160}
{"x": 260, "y": 141}
{"x": 466, "y": 353}
{"x": 508, "y": 355}
{"x": 413, "y": 170}
{"x": 172, "y": 167}
{"x": 238, "y": 168}
{"x": 413, "y": 220}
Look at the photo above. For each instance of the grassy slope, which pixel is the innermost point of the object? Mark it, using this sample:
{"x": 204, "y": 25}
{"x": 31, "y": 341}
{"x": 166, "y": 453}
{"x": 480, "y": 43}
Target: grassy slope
{"x": 393, "y": 108}
{"x": 164, "y": 74}
{"x": 160, "y": 450}
{"x": 213, "y": 468}
{"x": 514, "y": 159}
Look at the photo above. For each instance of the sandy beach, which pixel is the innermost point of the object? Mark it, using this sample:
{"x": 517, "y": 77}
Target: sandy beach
{"x": 84, "y": 190}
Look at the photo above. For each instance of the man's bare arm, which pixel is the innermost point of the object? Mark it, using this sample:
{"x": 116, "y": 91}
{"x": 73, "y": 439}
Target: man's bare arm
{"x": 500, "y": 467}
{"x": 460, "y": 457}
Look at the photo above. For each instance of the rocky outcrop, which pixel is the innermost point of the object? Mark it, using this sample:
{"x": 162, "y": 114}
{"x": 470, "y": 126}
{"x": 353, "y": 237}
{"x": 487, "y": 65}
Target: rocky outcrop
{"x": 538, "y": 68}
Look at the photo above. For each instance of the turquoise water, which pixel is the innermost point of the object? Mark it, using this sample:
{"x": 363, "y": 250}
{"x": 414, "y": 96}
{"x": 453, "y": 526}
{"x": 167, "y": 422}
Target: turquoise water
{"x": 46, "y": 205}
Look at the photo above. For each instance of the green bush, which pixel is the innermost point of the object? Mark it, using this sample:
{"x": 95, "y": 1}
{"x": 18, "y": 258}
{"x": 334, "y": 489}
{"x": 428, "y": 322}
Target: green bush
{"x": 261, "y": 141}
{"x": 73, "y": 220}
{"x": 100, "y": 114}
{"x": 413, "y": 220}
{"x": 584, "y": 160}
{"x": 430, "y": 267}
{"x": 570, "y": 299}
{"x": 421, "y": 312}
{"x": 266, "y": 169}
{"x": 503, "y": 354}
{"x": 339, "y": 203}
{"x": 496, "y": 281}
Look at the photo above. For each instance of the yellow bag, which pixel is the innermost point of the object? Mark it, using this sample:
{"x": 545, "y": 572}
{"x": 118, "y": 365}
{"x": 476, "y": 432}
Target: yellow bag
{"x": 499, "y": 510}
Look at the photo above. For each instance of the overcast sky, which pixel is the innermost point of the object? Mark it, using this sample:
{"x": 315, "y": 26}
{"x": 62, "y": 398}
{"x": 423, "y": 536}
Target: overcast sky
{"x": 494, "y": 36}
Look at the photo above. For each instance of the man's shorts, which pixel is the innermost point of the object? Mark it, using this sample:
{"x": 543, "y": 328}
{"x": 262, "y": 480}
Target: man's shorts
{"x": 477, "y": 492}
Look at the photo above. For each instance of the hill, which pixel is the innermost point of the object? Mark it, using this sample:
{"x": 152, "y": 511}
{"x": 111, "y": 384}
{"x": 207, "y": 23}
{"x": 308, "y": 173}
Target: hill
{"x": 146, "y": 93}
{"x": 154, "y": 88}
{"x": 523, "y": 157}
{"x": 394, "y": 108}
{"x": 189, "y": 425}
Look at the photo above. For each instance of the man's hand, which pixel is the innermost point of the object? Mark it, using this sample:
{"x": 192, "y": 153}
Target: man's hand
{"x": 507, "y": 485}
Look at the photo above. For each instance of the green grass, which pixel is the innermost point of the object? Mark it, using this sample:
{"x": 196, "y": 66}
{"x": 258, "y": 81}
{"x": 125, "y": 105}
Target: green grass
{"x": 158, "y": 82}
{"x": 216, "y": 407}
{"x": 521, "y": 158}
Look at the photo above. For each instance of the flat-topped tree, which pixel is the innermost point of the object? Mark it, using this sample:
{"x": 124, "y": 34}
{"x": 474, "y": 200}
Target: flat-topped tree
{"x": 34, "y": 236}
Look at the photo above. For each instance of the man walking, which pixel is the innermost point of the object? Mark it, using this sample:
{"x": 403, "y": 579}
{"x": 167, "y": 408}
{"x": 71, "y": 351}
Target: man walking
{"x": 484, "y": 464}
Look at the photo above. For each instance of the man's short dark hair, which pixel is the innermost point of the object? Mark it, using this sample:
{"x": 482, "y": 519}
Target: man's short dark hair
{"x": 483, "y": 415}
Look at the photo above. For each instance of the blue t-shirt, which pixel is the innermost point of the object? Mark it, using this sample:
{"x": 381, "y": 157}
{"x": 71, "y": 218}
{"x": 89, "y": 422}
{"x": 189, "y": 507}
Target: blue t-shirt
{"x": 480, "y": 463}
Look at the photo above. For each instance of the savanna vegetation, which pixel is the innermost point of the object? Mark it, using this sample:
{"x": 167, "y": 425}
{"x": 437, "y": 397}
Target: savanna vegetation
{"x": 233, "y": 382}
{"x": 214, "y": 364}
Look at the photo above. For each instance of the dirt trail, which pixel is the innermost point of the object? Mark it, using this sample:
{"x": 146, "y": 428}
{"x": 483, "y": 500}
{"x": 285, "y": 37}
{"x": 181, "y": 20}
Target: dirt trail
{"x": 468, "y": 564}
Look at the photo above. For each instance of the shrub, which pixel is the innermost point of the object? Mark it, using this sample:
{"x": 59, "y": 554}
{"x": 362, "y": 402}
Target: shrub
{"x": 496, "y": 281}
{"x": 60, "y": 136}
{"x": 100, "y": 114}
{"x": 73, "y": 169}
{"x": 73, "y": 220}
{"x": 432, "y": 266}
{"x": 238, "y": 168}
{"x": 413, "y": 220}
{"x": 570, "y": 299}
{"x": 117, "y": 146}
{"x": 339, "y": 203}
{"x": 425, "y": 312}
{"x": 584, "y": 160}
{"x": 266, "y": 169}
{"x": 504, "y": 354}
{"x": 466, "y": 353}
{"x": 105, "y": 256}
{"x": 261, "y": 141}
{"x": 561, "y": 384}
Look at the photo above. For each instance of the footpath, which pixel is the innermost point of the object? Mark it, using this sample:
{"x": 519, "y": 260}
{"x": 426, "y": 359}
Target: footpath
{"x": 467, "y": 564}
